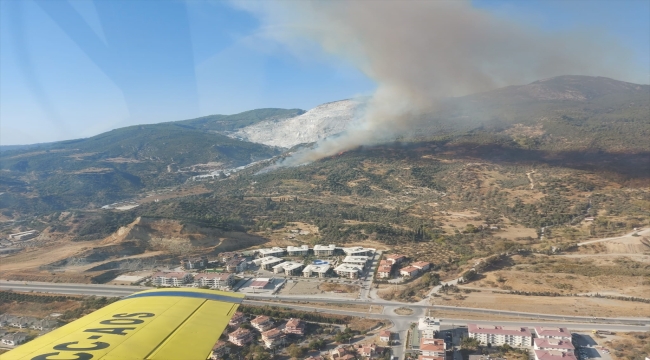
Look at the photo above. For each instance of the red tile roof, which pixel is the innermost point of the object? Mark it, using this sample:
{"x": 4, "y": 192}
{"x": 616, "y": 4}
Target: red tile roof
{"x": 554, "y": 355}
{"x": 498, "y": 330}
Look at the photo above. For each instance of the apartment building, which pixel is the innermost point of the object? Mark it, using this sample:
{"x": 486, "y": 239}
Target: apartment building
{"x": 194, "y": 263}
{"x": 215, "y": 280}
{"x": 384, "y": 271}
{"x": 227, "y": 256}
{"x": 319, "y": 270}
{"x": 409, "y": 271}
{"x": 356, "y": 260}
{"x": 272, "y": 338}
{"x": 236, "y": 265}
{"x": 295, "y": 326}
{"x": 432, "y": 347}
{"x": 268, "y": 262}
{"x": 421, "y": 265}
{"x": 499, "y": 335}
{"x": 237, "y": 319}
{"x": 553, "y": 355}
{"x": 289, "y": 268}
{"x": 274, "y": 251}
{"x": 394, "y": 259}
{"x": 324, "y": 250}
{"x": 358, "y": 251}
{"x": 240, "y": 337}
{"x": 262, "y": 323}
{"x": 550, "y": 332}
{"x": 302, "y": 250}
{"x": 219, "y": 350}
{"x": 348, "y": 270}
{"x": 174, "y": 279}
{"x": 550, "y": 344}
{"x": 428, "y": 327}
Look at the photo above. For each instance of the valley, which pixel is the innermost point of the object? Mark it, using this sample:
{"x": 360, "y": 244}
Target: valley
{"x": 548, "y": 224}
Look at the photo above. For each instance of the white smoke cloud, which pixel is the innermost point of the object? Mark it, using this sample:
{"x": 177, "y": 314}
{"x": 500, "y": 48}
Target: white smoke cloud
{"x": 420, "y": 52}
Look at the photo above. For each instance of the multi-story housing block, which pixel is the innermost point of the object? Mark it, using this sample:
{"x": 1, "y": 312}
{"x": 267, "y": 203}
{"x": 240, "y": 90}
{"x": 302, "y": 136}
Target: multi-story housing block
{"x": 240, "y": 337}
{"x": 432, "y": 347}
{"x": 237, "y": 319}
{"x": 324, "y": 250}
{"x": 550, "y": 332}
{"x": 394, "y": 259}
{"x": 215, "y": 280}
{"x": 319, "y": 270}
{"x": 272, "y": 338}
{"x": 295, "y": 326}
{"x": 428, "y": 327}
{"x": 550, "y": 344}
{"x": 174, "y": 279}
{"x": 262, "y": 323}
{"x": 302, "y": 250}
{"x": 498, "y": 335}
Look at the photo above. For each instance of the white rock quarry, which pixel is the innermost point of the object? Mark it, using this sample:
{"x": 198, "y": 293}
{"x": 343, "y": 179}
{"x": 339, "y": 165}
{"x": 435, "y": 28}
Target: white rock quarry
{"x": 316, "y": 124}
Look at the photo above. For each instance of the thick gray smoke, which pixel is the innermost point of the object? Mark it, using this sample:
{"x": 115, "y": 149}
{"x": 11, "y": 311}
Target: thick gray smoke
{"x": 420, "y": 52}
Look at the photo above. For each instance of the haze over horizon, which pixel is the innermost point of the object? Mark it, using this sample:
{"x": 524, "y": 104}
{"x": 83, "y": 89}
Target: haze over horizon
{"x": 64, "y": 74}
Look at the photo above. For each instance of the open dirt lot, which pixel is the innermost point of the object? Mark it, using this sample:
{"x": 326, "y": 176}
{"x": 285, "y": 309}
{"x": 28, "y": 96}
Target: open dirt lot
{"x": 578, "y": 306}
{"x": 313, "y": 288}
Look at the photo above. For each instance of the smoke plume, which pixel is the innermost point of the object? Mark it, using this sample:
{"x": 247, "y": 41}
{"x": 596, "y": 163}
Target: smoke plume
{"x": 420, "y": 52}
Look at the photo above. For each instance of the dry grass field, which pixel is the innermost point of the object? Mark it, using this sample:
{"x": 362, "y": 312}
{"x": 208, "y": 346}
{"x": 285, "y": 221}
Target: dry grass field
{"x": 578, "y": 306}
{"x": 629, "y": 346}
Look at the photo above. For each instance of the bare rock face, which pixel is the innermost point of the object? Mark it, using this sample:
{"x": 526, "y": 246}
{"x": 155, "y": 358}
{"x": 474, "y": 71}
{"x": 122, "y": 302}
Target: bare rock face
{"x": 316, "y": 124}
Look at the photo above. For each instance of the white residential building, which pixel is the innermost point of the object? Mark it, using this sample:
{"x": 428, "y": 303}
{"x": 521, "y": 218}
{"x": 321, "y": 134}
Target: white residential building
{"x": 499, "y": 335}
{"x": 268, "y": 262}
{"x": 348, "y": 270}
{"x": 175, "y": 279}
{"x": 319, "y": 270}
{"x": 549, "y": 344}
{"x": 322, "y": 250}
{"x": 215, "y": 280}
{"x": 289, "y": 268}
{"x": 428, "y": 327}
{"x": 550, "y": 332}
{"x": 356, "y": 260}
{"x": 274, "y": 251}
{"x": 358, "y": 251}
{"x": 302, "y": 250}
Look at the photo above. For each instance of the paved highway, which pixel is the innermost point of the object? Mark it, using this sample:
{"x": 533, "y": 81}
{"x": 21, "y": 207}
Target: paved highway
{"x": 117, "y": 290}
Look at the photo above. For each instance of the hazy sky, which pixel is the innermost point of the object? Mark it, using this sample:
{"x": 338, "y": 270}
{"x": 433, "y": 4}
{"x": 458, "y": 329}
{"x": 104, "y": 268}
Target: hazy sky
{"x": 75, "y": 68}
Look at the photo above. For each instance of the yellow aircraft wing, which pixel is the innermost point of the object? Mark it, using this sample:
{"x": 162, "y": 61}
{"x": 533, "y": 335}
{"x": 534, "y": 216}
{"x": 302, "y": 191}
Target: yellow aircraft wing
{"x": 174, "y": 324}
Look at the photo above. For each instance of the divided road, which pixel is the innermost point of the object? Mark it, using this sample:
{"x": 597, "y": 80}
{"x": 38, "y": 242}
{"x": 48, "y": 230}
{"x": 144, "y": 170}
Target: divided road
{"x": 117, "y": 291}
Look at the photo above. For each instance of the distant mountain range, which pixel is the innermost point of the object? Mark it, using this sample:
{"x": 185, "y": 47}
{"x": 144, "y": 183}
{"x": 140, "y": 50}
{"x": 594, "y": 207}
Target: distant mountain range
{"x": 577, "y": 113}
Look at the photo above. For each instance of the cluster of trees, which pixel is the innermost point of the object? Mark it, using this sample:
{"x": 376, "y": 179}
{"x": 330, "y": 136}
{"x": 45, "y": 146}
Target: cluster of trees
{"x": 9, "y": 296}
